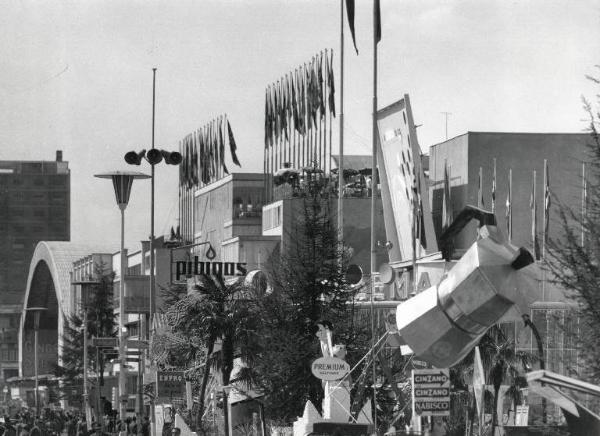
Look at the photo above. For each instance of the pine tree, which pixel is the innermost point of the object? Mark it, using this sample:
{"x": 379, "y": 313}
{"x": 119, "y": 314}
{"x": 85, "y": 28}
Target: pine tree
{"x": 308, "y": 285}
{"x": 575, "y": 257}
{"x": 101, "y": 323}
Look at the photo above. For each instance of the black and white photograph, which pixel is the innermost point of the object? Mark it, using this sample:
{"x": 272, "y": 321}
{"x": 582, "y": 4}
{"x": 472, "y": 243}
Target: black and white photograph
{"x": 299, "y": 217}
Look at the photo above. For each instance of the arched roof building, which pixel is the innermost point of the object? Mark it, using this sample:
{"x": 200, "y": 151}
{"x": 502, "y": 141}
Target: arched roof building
{"x": 48, "y": 286}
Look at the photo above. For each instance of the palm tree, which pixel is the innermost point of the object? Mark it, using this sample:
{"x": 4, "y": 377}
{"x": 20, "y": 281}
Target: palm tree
{"x": 501, "y": 362}
{"x": 220, "y": 317}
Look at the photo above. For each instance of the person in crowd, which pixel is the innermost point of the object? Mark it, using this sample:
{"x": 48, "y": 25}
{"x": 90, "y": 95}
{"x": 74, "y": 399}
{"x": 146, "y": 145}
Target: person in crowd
{"x": 72, "y": 426}
{"x": 36, "y": 430}
{"x": 82, "y": 427}
{"x": 132, "y": 427}
{"x": 176, "y": 431}
{"x": 146, "y": 426}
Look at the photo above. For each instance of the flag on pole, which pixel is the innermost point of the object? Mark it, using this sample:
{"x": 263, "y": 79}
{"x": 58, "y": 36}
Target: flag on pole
{"x": 509, "y": 206}
{"x": 547, "y": 201}
{"x": 377, "y": 18}
{"x": 480, "y": 203}
{"x": 350, "y": 13}
{"x": 533, "y": 207}
{"x": 478, "y": 381}
{"x": 232, "y": 146}
{"x": 222, "y": 146}
{"x": 331, "y": 83}
{"x": 446, "y": 200}
{"x": 494, "y": 189}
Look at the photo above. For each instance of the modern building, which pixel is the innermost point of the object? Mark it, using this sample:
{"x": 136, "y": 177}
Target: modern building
{"x": 519, "y": 154}
{"x": 34, "y": 206}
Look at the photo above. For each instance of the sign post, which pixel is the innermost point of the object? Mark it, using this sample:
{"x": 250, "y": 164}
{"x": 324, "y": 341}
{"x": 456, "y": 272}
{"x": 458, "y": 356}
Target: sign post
{"x": 431, "y": 391}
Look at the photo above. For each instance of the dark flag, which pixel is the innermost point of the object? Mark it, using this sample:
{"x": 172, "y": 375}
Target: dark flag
{"x": 295, "y": 103}
{"x": 331, "y": 82}
{"x": 321, "y": 97}
{"x": 533, "y": 206}
{"x": 447, "y": 212}
{"x": 547, "y": 202}
{"x": 266, "y": 118}
{"x": 350, "y": 13}
{"x": 222, "y": 146}
{"x": 377, "y": 18}
{"x": 232, "y": 146}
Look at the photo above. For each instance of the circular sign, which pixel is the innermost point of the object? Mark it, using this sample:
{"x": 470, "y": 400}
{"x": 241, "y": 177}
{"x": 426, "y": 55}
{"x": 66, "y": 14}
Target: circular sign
{"x": 329, "y": 368}
{"x": 354, "y": 274}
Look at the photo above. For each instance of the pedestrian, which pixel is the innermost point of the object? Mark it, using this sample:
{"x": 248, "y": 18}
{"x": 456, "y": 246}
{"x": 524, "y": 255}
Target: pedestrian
{"x": 132, "y": 427}
{"x": 146, "y": 426}
{"x": 82, "y": 427}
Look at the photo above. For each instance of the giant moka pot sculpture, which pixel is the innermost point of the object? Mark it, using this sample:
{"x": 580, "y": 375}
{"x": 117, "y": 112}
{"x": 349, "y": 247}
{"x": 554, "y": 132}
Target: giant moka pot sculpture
{"x": 492, "y": 279}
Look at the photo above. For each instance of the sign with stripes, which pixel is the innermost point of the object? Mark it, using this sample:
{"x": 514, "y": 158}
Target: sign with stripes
{"x": 431, "y": 391}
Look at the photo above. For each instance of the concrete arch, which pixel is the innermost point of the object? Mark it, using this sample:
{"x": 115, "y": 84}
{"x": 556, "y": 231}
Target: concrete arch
{"x": 49, "y": 286}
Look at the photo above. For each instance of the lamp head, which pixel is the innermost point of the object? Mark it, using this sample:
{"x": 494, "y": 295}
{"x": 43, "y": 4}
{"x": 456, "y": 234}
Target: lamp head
{"x": 122, "y": 181}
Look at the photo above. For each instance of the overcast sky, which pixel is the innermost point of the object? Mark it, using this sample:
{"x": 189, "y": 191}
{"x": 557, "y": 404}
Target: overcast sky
{"x": 77, "y": 76}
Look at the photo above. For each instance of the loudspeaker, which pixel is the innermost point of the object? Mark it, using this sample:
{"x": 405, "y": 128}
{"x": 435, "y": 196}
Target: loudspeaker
{"x": 134, "y": 158}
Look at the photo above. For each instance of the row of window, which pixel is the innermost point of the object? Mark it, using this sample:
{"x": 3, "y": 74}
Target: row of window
{"x": 9, "y": 179}
{"x": 38, "y": 212}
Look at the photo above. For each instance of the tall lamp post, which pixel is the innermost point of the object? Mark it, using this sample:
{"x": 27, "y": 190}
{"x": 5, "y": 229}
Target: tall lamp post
{"x": 37, "y": 311}
{"x": 122, "y": 182}
{"x": 86, "y": 290}
{"x": 154, "y": 156}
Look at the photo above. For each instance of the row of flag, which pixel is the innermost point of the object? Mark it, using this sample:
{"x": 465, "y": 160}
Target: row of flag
{"x": 447, "y": 212}
{"x": 300, "y": 99}
{"x": 203, "y": 153}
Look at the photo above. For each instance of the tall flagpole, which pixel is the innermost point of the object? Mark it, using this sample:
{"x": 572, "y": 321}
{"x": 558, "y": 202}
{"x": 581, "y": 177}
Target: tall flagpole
{"x": 544, "y": 231}
{"x": 583, "y": 204}
{"x": 373, "y": 204}
{"x": 510, "y": 227}
{"x": 340, "y": 220}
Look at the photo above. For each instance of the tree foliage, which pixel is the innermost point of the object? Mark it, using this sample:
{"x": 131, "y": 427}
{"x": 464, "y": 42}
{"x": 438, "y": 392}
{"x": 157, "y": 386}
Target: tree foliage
{"x": 309, "y": 285}
{"x": 101, "y": 322}
{"x": 575, "y": 256}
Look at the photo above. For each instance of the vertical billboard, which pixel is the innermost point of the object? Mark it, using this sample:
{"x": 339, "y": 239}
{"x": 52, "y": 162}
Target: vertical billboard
{"x": 403, "y": 185}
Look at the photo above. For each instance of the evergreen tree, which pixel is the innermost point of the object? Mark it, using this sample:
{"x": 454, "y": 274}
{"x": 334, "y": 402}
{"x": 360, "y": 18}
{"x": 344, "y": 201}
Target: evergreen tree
{"x": 575, "y": 257}
{"x": 101, "y": 323}
{"x": 308, "y": 284}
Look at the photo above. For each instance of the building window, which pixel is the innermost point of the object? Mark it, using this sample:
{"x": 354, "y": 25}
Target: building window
{"x": 58, "y": 181}
{"x": 38, "y": 181}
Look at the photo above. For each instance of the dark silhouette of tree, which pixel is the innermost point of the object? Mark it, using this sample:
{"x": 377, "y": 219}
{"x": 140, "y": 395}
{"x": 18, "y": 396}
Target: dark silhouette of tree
{"x": 574, "y": 256}
{"x": 308, "y": 284}
{"x": 101, "y": 323}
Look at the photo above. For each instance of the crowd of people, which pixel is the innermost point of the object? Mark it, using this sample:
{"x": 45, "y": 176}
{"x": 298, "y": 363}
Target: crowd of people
{"x": 59, "y": 423}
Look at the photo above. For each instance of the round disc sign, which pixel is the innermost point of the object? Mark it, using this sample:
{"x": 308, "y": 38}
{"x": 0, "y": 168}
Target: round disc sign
{"x": 330, "y": 368}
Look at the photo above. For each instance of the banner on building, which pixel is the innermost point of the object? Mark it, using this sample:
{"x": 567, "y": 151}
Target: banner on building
{"x": 403, "y": 187}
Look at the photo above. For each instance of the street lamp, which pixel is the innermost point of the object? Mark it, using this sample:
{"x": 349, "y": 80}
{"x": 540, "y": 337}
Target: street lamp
{"x": 37, "y": 311}
{"x": 86, "y": 288}
{"x": 122, "y": 182}
{"x": 153, "y": 156}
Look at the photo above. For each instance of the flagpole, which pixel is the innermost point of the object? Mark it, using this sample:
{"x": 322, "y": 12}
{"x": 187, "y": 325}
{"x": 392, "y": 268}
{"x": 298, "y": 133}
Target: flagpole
{"x": 510, "y": 227}
{"x": 583, "y": 204}
{"x": 494, "y": 189}
{"x": 373, "y": 206}
{"x": 544, "y": 230}
{"x": 340, "y": 220}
